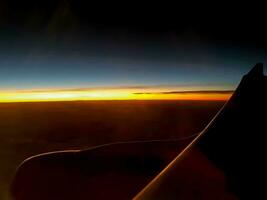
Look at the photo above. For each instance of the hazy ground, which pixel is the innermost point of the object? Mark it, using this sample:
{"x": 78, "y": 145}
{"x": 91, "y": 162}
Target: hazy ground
{"x": 27, "y": 129}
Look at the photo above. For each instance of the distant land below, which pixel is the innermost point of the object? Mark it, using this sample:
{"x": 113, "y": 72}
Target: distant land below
{"x": 30, "y": 128}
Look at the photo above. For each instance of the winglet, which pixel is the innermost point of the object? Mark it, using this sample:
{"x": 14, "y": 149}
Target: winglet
{"x": 257, "y": 70}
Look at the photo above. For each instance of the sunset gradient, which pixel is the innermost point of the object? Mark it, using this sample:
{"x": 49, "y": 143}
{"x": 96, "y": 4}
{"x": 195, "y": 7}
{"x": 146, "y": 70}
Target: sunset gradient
{"x": 108, "y": 94}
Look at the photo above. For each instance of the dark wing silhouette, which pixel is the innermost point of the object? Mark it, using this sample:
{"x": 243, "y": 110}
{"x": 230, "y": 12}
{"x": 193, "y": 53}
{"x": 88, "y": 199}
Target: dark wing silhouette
{"x": 227, "y": 160}
{"x": 114, "y": 171}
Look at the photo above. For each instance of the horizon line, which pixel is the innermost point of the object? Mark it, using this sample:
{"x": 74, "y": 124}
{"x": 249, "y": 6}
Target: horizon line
{"x": 74, "y": 95}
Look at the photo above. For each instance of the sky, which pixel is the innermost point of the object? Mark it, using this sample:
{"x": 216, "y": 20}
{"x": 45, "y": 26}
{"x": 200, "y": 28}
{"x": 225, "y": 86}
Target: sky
{"x": 71, "y": 46}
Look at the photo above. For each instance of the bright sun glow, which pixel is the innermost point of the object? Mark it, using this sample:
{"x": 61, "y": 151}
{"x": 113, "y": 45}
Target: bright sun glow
{"x": 32, "y": 96}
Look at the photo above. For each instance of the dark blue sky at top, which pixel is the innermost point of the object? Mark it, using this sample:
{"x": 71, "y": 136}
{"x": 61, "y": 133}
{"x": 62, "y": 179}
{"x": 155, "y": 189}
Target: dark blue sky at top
{"x": 59, "y": 45}
{"x": 100, "y": 61}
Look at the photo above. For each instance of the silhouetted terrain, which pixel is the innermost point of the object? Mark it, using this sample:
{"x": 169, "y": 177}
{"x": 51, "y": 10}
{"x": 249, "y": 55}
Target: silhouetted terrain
{"x": 227, "y": 161}
{"x": 28, "y": 129}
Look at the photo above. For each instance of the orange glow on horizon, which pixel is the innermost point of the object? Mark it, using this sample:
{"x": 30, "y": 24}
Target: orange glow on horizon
{"x": 112, "y": 94}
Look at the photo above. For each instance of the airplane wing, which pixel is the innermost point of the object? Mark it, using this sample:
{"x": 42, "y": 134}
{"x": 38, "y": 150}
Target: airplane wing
{"x": 226, "y": 161}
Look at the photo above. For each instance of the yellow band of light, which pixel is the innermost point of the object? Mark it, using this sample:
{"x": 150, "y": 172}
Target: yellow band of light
{"x": 33, "y": 96}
